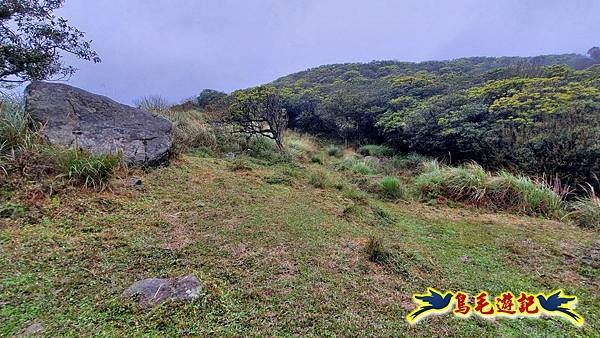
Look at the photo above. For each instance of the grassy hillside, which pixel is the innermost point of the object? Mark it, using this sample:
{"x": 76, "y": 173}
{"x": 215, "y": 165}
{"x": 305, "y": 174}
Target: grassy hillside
{"x": 283, "y": 249}
{"x": 536, "y": 115}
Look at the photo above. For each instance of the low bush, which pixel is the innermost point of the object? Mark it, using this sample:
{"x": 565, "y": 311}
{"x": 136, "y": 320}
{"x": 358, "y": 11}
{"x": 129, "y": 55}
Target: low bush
{"x": 262, "y": 148}
{"x": 361, "y": 168}
{"x": 393, "y": 188}
{"x": 585, "y": 211}
{"x": 376, "y": 150}
{"x": 334, "y": 151}
{"x": 91, "y": 170}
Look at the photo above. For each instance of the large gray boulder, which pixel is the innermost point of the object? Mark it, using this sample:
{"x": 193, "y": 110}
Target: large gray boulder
{"x": 73, "y": 117}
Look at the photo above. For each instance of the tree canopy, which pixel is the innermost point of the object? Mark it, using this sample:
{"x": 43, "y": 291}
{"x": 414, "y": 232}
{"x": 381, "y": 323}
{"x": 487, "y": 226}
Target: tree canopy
{"x": 33, "y": 39}
{"x": 259, "y": 111}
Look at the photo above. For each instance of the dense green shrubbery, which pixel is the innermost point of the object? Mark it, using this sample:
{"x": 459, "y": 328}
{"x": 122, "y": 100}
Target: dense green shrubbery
{"x": 473, "y": 185}
{"x": 376, "y": 150}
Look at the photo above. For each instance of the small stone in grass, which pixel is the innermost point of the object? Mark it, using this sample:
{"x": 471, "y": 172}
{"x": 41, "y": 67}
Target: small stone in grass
{"x": 153, "y": 291}
{"x": 34, "y": 329}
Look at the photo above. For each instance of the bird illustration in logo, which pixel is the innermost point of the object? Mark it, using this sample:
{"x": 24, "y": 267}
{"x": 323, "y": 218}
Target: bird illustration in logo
{"x": 433, "y": 302}
{"x": 560, "y": 304}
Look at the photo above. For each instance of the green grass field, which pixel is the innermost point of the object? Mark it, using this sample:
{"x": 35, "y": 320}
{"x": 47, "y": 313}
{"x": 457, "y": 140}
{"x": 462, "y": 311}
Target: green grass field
{"x": 278, "y": 257}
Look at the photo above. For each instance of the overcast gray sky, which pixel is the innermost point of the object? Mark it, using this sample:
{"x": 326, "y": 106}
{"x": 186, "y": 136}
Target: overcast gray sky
{"x": 175, "y": 48}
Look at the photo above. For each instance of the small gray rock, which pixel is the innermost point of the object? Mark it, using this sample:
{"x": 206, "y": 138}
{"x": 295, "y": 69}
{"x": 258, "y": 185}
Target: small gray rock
{"x": 72, "y": 117}
{"x": 153, "y": 291}
{"x": 136, "y": 182}
{"x": 230, "y": 155}
{"x": 33, "y": 329}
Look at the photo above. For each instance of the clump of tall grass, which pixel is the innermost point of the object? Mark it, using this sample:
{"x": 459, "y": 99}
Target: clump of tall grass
{"x": 314, "y": 158}
{"x": 376, "y": 150}
{"x": 190, "y": 130}
{"x": 355, "y": 194}
{"x": 585, "y": 211}
{"x": 521, "y": 193}
{"x": 473, "y": 185}
{"x": 430, "y": 180}
{"x": 300, "y": 145}
{"x": 320, "y": 178}
{"x": 361, "y": 168}
{"x": 14, "y": 123}
{"x": 392, "y": 188}
{"x": 20, "y": 145}
{"x": 83, "y": 167}
{"x": 335, "y": 151}
{"x": 377, "y": 251}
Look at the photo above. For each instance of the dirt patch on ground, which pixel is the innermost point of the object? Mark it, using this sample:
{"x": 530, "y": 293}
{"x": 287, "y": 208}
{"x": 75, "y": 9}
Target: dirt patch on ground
{"x": 278, "y": 256}
{"x": 179, "y": 235}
